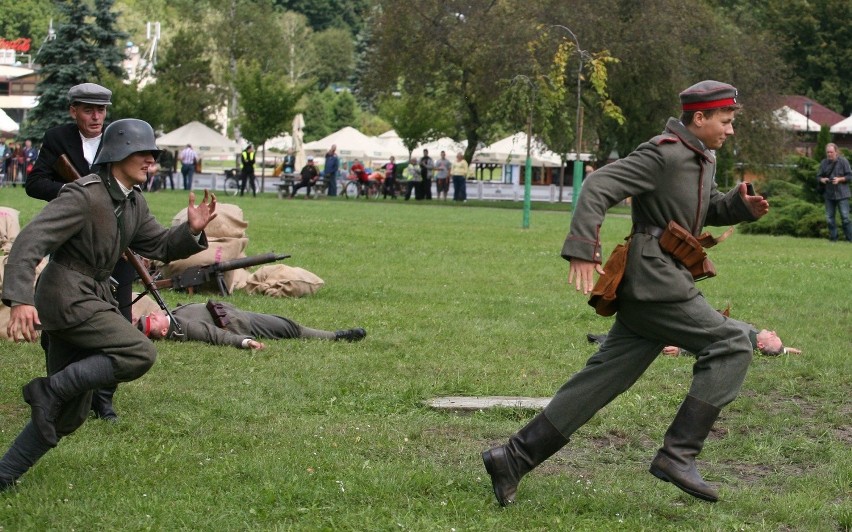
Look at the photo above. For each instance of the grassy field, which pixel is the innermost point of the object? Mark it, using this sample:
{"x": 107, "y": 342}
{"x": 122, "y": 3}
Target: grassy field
{"x": 457, "y": 300}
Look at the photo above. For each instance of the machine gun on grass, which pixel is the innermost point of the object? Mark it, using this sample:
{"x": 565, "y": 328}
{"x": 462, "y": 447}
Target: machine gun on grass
{"x": 195, "y": 276}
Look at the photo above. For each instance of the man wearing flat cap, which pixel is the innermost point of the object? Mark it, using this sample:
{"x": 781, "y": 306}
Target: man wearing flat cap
{"x": 671, "y": 178}
{"x": 79, "y": 142}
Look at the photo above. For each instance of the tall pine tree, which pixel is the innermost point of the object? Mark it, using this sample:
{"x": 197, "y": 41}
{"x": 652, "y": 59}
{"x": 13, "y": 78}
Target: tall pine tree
{"x": 106, "y": 35}
{"x": 85, "y": 42}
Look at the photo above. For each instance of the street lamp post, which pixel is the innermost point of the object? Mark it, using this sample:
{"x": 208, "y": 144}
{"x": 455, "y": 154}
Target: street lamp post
{"x": 528, "y": 164}
{"x": 578, "y": 167}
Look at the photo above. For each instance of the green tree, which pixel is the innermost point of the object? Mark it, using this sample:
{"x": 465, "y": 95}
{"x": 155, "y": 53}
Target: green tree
{"x": 823, "y": 138}
{"x": 106, "y": 37}
{"x": 27, "y": 19}
{"x": 318, "y": 114}
{"x": 325, "y": 14}
{"x": 343, "y": 111}
{"x": 184, "y": 82}
{"x": 69, "y": 59}
{"x": 411, "y": 117}
{"x": 433, "y": 46}
{"x": 335, "y": 52}
{"x": 267, "y": 104}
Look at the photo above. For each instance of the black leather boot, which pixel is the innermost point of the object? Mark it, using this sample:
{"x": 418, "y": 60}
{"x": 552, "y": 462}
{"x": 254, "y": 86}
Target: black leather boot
{"x": 102, "y": 404}
{"x": 46, "y": 395}
{"x": 532, "y": 445}
{"x": 350, "y": 335}
{"x": 675, "y": 461}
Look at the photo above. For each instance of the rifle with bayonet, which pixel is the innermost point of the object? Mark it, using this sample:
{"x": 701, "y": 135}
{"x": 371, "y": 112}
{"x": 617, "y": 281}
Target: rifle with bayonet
{"x": 195, "y": 276}
{"x": 68, "y": 173}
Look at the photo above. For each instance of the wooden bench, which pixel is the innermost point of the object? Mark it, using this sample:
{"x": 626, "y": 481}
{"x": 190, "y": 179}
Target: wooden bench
{"x": 286, "y": 184}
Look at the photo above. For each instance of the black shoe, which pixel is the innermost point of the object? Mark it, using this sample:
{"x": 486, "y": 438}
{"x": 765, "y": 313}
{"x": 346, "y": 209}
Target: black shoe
{"x": 350, "y": 335}
{"x": 595, "y": 338}
{"x": 6, "y": 484}
{"x": 44, "y": 404}
{"x": 102, "y": 404}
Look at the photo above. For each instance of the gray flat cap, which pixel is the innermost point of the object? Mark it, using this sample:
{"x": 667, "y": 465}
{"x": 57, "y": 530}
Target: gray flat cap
{"x": 90, "y": 93}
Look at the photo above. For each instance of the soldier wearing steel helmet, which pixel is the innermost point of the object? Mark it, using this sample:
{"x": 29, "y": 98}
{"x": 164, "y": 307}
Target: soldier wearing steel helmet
{"x": 671, "y": 178}
{"x": 79, "y": 142}
{"x": 85, "y": 229}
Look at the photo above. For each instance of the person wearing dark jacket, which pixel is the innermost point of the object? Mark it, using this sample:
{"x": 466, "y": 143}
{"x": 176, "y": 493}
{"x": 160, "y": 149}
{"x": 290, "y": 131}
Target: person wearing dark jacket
{"x": 309, "y": 175}
{"x": 671, "y": 179}
{"x": 833, "y": 178}
{"x": 79, "y": 142}
{"x": 218, "y": 323}
{"x": 85, "y": 230}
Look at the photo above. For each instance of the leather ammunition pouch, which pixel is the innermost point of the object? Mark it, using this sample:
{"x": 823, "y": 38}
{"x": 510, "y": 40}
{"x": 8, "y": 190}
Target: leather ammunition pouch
{"x": 604, "y": 292}
{"x": 219, "y": 314}
{"x": 689, "y": 250}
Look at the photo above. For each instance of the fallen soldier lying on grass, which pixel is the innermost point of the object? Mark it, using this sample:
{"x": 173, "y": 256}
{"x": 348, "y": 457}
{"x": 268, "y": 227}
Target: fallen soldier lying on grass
{"x": 766, "y": 342}
{"x": 223, "y": 324}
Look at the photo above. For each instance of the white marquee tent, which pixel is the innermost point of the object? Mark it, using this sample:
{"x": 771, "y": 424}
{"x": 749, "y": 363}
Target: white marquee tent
{"x": 207, "y": 142}
{"x": 792, "y": 120}
{"x": 7, "y": 125}
{"x": 445, "y": 144}
{"x": 513, "y": 150}
{"x": 844, "y": 127}
{"x": 351, "y": 144}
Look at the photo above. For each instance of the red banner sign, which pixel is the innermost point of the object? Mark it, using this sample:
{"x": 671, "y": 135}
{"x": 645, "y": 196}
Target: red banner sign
{"x": 21, "y": 44}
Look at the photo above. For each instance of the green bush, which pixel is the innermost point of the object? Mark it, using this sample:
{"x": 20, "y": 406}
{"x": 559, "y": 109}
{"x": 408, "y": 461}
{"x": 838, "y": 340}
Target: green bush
{"x": 792, "y": 216}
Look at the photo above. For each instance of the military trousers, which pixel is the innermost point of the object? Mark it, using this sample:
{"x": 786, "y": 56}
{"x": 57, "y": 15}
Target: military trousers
{"x": 107, "y": 333}
{"x": 722, "y": 347}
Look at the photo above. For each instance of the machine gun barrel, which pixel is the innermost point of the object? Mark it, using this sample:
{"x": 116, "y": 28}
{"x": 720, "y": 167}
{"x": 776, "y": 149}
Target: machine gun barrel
{"x": 195, "y": 276}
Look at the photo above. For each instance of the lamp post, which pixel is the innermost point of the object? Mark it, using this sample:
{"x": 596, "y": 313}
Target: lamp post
{"x": 578, "y": 167}
{"x": 808, "y": 107}
{"x": 528, "y": 164}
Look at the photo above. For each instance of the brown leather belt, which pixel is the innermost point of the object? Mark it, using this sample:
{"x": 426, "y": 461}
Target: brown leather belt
{"x": 648, "y": 229}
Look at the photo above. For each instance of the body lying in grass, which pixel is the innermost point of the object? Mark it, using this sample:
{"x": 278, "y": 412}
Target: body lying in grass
{"x": 224, "y": 324}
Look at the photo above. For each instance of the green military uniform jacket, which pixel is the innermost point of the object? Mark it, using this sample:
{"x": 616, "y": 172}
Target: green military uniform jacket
{"x": 671, "y": 177}
{"x": 198, "y": 325}
{"x": 80, "y": 230}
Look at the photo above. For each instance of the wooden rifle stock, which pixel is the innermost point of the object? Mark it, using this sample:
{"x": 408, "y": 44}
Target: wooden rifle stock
{"x": 69, "y": 174}
{"x": 65, "y": 169}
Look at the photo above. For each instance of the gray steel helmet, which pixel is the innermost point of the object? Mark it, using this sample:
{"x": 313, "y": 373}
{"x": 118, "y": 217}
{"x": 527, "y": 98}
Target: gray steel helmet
{"x": 124, "y": 137}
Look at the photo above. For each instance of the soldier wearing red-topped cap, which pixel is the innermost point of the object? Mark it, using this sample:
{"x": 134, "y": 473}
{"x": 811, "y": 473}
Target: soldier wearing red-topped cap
{"x": 671, "y": 178}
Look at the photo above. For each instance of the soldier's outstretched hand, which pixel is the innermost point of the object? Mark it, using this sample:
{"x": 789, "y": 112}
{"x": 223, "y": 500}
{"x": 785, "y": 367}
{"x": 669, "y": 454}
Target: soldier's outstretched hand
{"x": 198, "y": 216}
{"x": 756, "y": 204}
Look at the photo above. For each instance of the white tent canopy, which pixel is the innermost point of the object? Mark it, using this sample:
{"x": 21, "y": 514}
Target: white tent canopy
{"x": 7, "y": 125}
{"x": 206, "y": 141}
{"x": 792, "y": 120}
{"x": 445, "y": 144}
{"x": 351, "y": 144}
{"x": 392, "y": 141}
{"x": 844, "y": 127}
{"x": 513, "y": 150}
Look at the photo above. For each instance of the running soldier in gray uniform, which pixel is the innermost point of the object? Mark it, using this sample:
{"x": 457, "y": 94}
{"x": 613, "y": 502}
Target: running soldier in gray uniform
{"x": 670, "y": 178}
{"x": 85, "y": 230}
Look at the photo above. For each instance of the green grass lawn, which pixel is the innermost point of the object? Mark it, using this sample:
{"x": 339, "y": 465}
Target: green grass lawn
{"x": 457, "y": 300}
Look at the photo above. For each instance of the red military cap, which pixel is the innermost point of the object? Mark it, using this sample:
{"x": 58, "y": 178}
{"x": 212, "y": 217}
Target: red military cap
{"x": 707, "y": 95}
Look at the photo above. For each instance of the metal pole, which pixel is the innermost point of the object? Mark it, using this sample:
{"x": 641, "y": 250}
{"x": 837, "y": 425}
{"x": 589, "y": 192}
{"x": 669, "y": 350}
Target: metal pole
{"x": 528, "y": 164}
{"x": 578, "y": 176}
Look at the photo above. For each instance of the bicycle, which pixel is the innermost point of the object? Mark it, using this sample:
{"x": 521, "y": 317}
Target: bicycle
{"x": 231, "y": 187}
{"x": 355, "y": 189}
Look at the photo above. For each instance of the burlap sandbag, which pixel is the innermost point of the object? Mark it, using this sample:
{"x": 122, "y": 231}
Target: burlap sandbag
{"x": 229, "y": 222}
{"x": 280, "y": 280}
{"x": 4, "y": 258}
{"x": 219, "y": 250}
{"x": 9, "y": 227}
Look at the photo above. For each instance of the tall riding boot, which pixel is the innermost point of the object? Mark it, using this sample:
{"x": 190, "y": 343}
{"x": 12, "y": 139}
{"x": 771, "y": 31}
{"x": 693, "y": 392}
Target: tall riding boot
{"x": 532, "y": 445}
{"x": 102, "y": 404}
{"x": 675, "y": 461}
{"x": 25, "y": 451}
{"x": 46, "y": 395}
